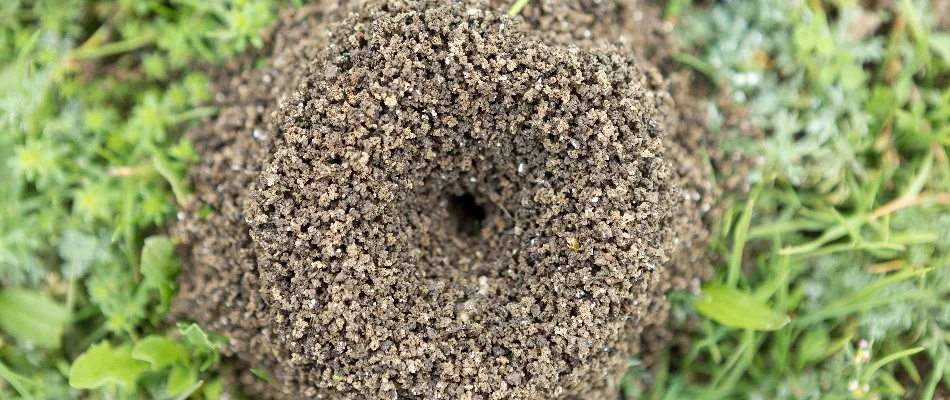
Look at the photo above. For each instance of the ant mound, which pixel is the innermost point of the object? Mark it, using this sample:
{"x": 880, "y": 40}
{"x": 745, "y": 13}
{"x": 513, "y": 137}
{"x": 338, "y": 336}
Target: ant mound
{"x": 440, "y": 201}
{"x": 457, "y": 207}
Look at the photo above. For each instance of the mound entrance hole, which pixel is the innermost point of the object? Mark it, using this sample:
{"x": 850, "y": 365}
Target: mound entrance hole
{"x": 467, "y": 214}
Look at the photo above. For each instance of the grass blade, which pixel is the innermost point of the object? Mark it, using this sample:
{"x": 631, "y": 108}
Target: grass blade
{"x": 735, "y": 309}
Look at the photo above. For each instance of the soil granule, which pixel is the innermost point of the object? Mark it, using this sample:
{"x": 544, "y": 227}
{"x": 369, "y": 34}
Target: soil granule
{"x": 413, "y": 199}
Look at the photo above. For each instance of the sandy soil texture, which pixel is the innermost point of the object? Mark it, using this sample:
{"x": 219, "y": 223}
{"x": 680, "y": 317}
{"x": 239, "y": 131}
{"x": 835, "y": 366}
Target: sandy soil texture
{"x": 414, "y": 199}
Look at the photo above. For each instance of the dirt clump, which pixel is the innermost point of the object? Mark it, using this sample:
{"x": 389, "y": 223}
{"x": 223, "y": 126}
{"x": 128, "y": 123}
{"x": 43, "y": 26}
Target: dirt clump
{"x": 412, "y": 199}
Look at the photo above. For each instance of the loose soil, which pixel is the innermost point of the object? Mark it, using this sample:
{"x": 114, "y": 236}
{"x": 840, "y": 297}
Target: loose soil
{"x": 412, "y": 199}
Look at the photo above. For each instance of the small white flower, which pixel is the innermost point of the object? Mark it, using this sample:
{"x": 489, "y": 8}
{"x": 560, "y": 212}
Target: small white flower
{"x": 853, "y": 385}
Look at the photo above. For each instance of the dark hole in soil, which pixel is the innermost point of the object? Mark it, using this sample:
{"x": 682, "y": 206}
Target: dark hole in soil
{"x": 467, "y": 214}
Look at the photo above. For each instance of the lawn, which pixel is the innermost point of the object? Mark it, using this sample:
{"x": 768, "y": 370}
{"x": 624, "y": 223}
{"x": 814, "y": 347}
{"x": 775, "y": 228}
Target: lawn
{"x": 834, "y": 271}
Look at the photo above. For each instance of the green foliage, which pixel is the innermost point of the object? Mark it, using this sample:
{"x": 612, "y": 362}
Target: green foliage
{"x": 516, "y": 7}
{"x": 207, "y": 347}
{"x": 94, "y": 95}
{"x": 159, "y": 351}
{"x": 733, "y": 308}
{"x": 159, "y": 269}
{"x": 32, "y": 318}
{"x": 263, "y": 375}
{"x": 167, "y": 367}
{"x": 102, "y": 365}
{"x": 845, "y": 229}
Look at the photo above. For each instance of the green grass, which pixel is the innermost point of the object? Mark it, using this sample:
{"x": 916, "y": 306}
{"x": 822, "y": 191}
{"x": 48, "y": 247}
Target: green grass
{"x": 846, "y": 230}
{"x": 835, "y": 279}
{"x": 94, "y": 96}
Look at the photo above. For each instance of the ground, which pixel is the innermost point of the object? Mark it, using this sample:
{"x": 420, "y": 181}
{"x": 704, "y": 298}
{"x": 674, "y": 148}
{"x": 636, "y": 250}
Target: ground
{"x": 832, "y": 280}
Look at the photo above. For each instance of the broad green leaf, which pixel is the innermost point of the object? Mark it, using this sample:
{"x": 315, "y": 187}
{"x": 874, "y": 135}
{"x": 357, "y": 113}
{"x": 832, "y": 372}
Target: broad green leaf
{"x": 940, "y": 42}
{"x": 180, "y": 380}
{"x": 102, "y": 364}
{"x": 160, "y": 352}
{"x": 32, "y": 318}
{"x": 159, "y": 267}
{"x": 733, "y": 308}
{"x": 213, "y": 389}
{"x": 202, "y": 344}
{"x": 197, "y": 338}
{"x": 158, "y": 259}
{"x": 812, "y": 346}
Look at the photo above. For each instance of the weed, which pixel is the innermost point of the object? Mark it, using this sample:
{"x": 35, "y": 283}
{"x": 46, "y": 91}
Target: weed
{"x": 93, "y": 98}
{"x": 845, "y": 231}
{"x": 837, "y": 274}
